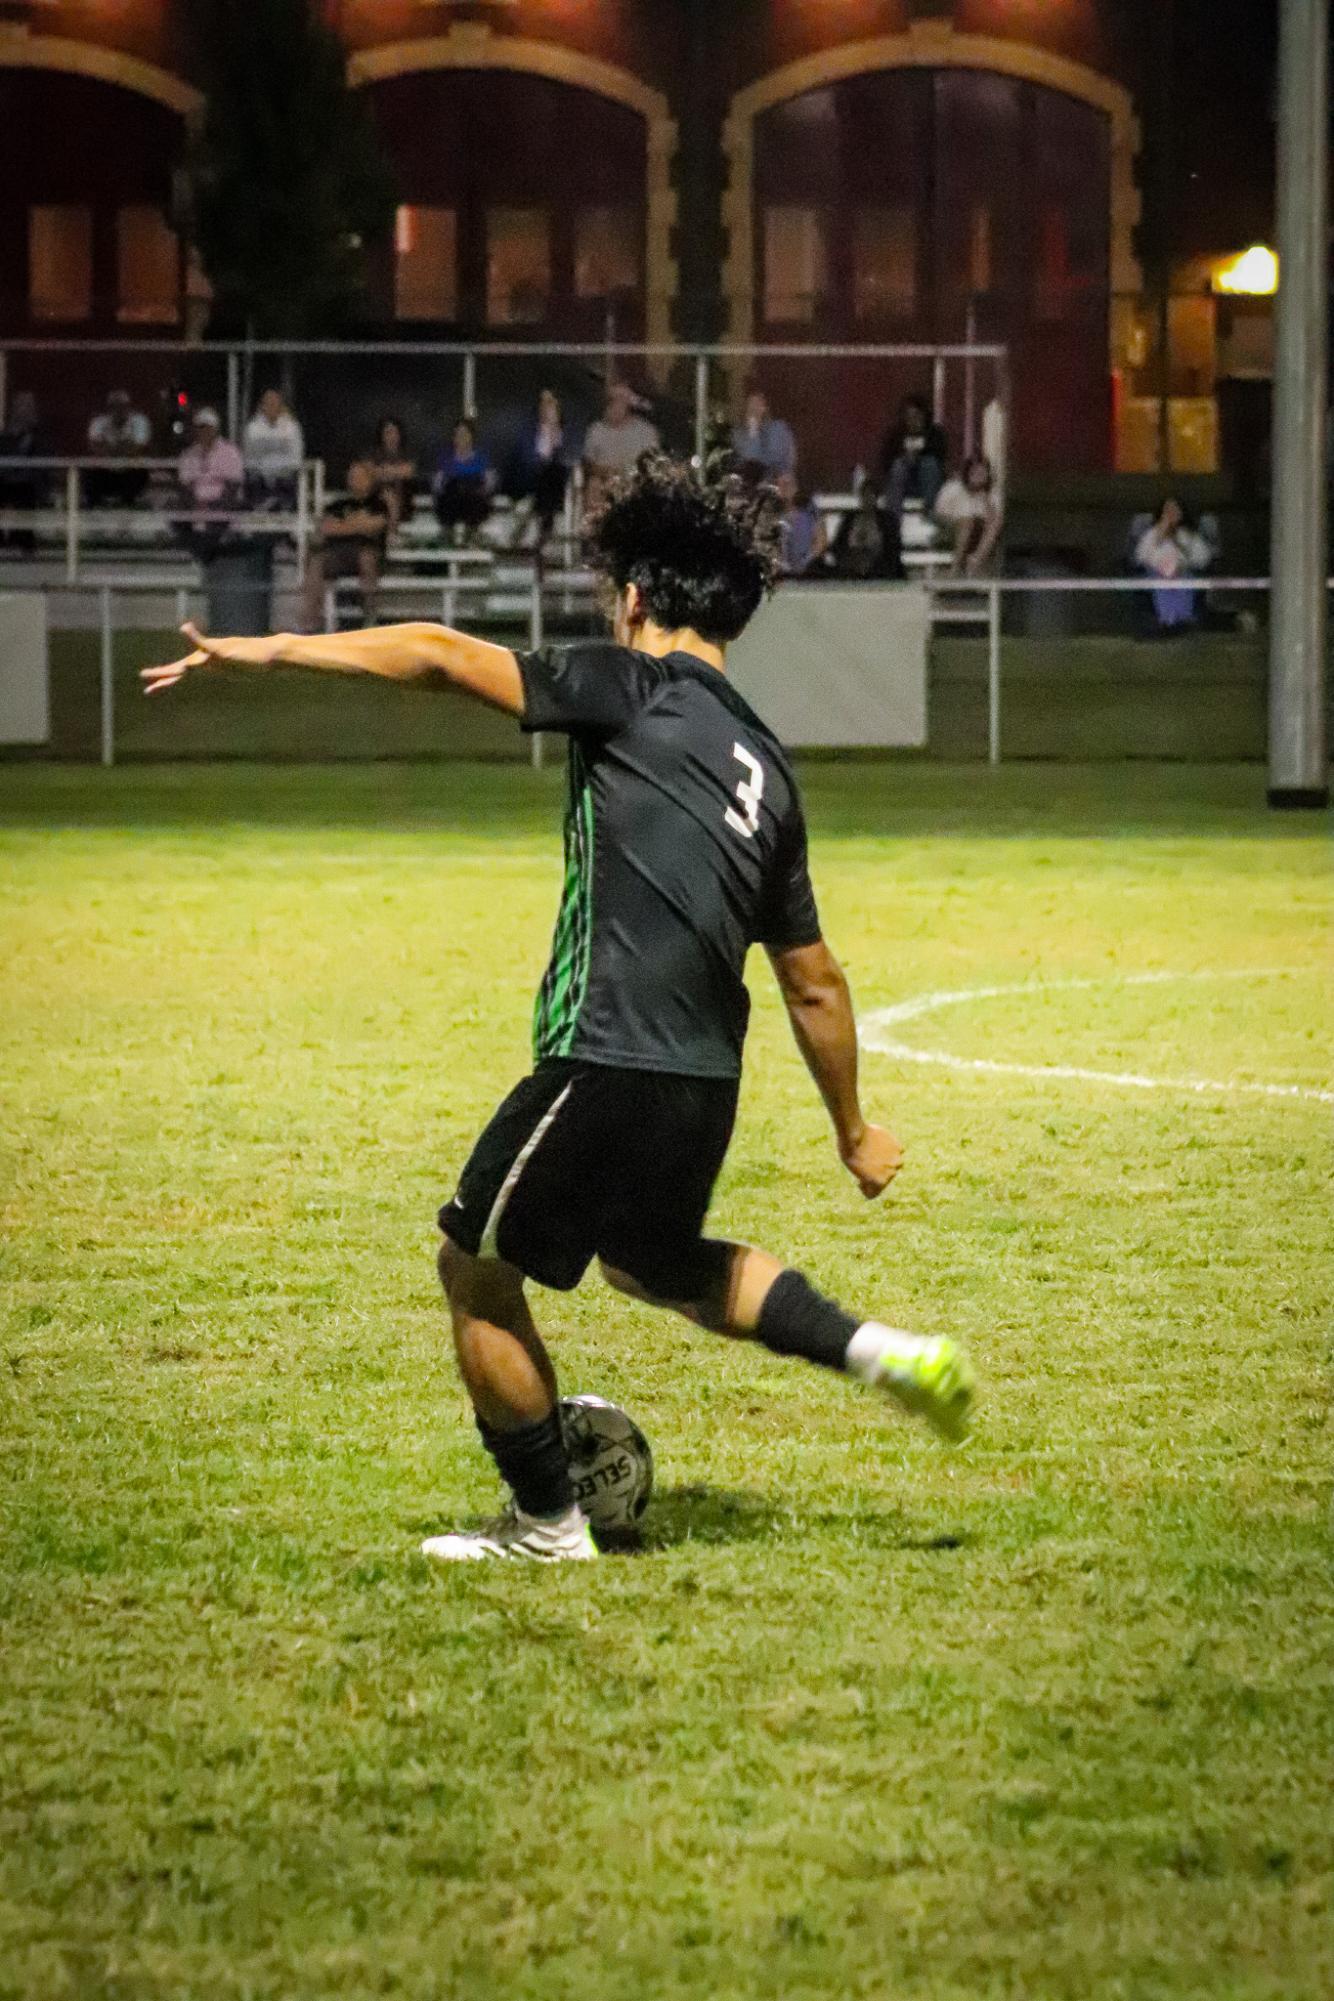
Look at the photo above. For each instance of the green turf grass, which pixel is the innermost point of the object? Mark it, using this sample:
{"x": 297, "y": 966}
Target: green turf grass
{"x": 1050, "y": 1718}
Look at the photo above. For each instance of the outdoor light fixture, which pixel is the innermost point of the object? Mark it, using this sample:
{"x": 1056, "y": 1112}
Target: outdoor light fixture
{"x": 1251, "y": 274}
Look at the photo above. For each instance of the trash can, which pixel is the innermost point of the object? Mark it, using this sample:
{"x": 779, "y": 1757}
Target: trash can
{"x": 238, "y": 587}
{"x": 1044, "y": 614}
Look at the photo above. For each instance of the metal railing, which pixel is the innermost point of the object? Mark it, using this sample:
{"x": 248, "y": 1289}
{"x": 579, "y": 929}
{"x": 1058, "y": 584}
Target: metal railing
{"x": 237, "y": 362}
{"x": 124, "y": 522}
{"x": 969, "y": 601}
{"x": 989, "y": 592}
{"x": 415, "y": 552}
{"x": 477, "y": 574}
{"x": 76, "y": 516}
{"x": 460, "y": 586}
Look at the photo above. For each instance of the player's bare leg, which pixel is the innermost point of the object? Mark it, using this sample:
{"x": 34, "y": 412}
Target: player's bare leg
{"x": 506, "y": 1370}
{"x": 751, "y": 1296}
{"x": 512, "y": 1386}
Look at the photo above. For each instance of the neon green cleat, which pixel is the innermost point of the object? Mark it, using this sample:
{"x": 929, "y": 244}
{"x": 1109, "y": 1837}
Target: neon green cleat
{"x": 931, "y": 1377}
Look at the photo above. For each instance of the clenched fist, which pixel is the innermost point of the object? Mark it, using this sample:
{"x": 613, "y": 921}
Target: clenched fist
{"x": 874, "y": 1160}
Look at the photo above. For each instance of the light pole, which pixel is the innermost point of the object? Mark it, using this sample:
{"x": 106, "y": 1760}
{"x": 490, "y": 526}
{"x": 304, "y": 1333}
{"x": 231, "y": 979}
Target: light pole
{"x": 1298, "y": 759}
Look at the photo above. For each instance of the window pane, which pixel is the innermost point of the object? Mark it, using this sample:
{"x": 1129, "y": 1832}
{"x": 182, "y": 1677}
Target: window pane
{"x": 518, "y": 265}
{"x": 1070, "y": 207}
{"x": 1192, "y": 347}
{"x": 606, "y": 251}
{"x": 60, "y": 263}
{"x": 147, "y": 268}
{"x": 884, "y": 263}
{"x": 795, "y": 265}
{"x": 426, "y": 264}
{"x": 982, "y": 199}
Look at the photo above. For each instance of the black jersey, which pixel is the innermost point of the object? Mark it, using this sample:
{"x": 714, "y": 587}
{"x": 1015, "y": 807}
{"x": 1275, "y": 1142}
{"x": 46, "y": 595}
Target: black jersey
{"x": 684, "y": 845}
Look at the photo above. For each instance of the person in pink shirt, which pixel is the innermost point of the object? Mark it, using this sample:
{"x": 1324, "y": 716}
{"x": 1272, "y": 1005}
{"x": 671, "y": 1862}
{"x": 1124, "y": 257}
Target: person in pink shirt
{"x": 211, "y": 476}
{"x": 210, "y": 472}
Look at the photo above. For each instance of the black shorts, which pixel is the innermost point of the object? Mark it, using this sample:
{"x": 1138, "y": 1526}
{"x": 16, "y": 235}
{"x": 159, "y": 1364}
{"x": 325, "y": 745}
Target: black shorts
{"x": 583, "y": 1161}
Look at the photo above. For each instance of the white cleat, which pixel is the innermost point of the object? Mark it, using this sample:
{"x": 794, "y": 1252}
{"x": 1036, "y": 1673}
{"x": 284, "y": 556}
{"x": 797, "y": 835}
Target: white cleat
{"x": 567, "y": 1540}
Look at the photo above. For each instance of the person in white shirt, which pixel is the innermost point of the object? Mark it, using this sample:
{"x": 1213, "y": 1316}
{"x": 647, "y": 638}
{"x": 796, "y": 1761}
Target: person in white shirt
{"x": 118, "y": 431}
{"x": 619, "y": 439}
{"x": 967, "y": 508}
{"x": 273, "y": 448}
{"x": 1171, "y": 548}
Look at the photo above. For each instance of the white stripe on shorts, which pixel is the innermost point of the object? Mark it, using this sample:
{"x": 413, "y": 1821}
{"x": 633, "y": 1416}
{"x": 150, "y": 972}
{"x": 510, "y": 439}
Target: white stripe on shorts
{"x": 487, "y": 1247}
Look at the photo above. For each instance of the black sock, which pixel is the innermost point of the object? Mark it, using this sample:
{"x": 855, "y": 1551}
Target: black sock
{"x": 533, "y": 1463}
{"x": 795, "y": 1319}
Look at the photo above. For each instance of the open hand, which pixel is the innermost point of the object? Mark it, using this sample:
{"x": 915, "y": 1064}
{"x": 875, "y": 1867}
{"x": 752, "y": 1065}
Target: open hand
{"x": 208, "y": 653}
{"x": 874, "y": 1161}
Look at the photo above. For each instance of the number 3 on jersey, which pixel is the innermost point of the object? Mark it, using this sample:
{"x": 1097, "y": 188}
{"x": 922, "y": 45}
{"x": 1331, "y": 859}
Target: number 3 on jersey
{"x": 749, "y": 792}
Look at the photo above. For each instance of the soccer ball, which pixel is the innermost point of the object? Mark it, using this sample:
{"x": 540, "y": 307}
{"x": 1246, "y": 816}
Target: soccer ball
{"x": 611, "y": 1463}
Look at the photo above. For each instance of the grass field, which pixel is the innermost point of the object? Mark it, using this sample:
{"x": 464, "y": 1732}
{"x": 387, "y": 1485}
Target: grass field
{"x": 1047, "y": 1719}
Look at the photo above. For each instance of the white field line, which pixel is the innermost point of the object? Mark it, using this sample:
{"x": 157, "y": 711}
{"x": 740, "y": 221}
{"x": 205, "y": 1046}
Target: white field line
{"x": 873, "y": 1033}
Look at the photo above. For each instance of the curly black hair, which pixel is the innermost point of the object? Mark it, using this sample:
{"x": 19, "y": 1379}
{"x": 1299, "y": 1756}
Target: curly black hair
{"x": 702, "y": 547}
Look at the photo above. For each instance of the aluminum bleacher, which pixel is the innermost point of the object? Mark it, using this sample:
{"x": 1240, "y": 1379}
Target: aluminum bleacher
{"x": 61, "y": 544}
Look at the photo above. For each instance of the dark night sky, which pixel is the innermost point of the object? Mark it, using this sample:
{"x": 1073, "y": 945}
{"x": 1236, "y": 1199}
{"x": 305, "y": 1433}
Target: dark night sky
{"x": 1219, "y": 121}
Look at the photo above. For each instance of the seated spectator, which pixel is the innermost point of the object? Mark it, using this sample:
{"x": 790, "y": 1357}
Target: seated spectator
{"x": 118, "y": 431}
{"x": 353, "y": 534}
{"x": 210, "y": 474}
{"x": 463, "y": 483}
{"x": 1171, "y": 548}
{"x": 273, "y": 448}
{"x": 805, "y": 538}
{"x": 619, "y": 439}
{"x": 762, "y": 444}
{"x": 967, "y": 509}
{"x": 395, "y": 469}
{"x": 19, "y": 490}
{"x": 864, "y": 545}
{"x": 540, "y": 468}
{"x": 913, "y": 460}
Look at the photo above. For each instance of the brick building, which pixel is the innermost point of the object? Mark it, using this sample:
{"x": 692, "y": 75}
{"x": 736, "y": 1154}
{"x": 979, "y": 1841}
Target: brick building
{"x": 754, "y": 170}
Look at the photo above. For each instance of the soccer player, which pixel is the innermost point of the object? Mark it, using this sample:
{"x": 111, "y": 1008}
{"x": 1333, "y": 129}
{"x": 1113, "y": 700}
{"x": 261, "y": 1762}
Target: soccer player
{"x": 684, "y": 845}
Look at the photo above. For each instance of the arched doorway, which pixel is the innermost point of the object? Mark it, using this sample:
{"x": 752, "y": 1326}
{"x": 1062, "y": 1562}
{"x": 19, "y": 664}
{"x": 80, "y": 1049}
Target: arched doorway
{"x": 931, "y": 187}
{"x": 541, "y": 238}
{"x": 572, "y": 215}
{"x": 89, "y": 140}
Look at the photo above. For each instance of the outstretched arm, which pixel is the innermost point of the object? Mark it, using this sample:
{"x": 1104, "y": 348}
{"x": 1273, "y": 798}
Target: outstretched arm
{"x": 417, "y": 652}
{"x": 819, "y": 1007}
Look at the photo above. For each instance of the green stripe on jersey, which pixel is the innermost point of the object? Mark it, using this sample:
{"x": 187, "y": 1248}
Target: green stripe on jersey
{"x": 565, "y": 984}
